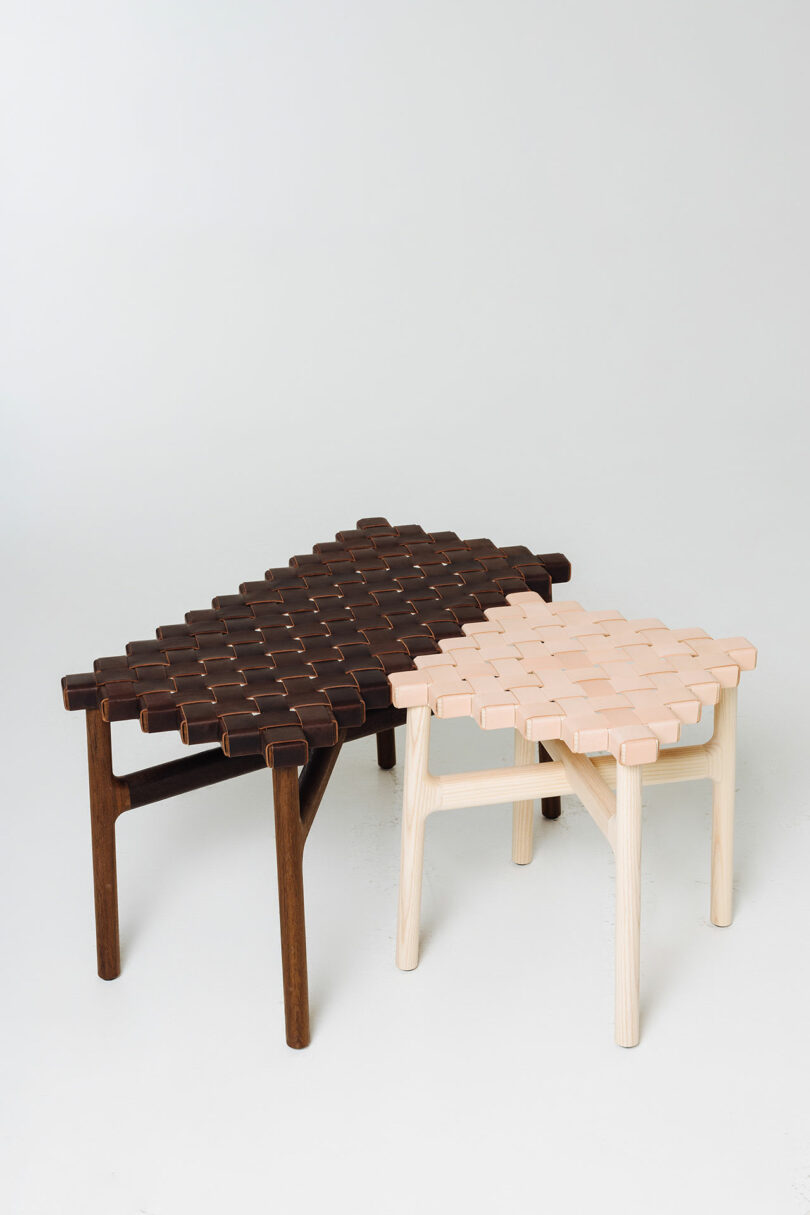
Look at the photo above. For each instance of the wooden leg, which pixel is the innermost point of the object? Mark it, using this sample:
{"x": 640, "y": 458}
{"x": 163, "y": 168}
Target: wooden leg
{"x": 628, "y": 902}
{"x": 550, "y": 806}
{"x": 109, "y": 797}
{"x": 289, "y": 858}
{"x": 522, "y": 812}
{"x": 386, "y": 748}
{"x": 725, "y": 739}
{"x": 414, "y": 814}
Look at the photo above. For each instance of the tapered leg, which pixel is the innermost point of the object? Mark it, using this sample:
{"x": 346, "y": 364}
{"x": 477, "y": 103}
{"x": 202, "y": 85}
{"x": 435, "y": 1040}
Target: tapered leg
{"x": 550, "y": 806}
{"x": 628, "y": 902}
{"x": 522, "y": 812}
{"x": 289, "y": 858}
{"x": 109, "y": 797}
{"x": 414, "y": 814}
{"x": 725, "y": 738}
{"x": 386, "y": 748}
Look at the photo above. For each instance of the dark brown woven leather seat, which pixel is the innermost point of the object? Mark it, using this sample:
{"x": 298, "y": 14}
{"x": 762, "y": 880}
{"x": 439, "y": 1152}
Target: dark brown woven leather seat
{"x": 282, "y": 666}
{"x": 283, "y": 674}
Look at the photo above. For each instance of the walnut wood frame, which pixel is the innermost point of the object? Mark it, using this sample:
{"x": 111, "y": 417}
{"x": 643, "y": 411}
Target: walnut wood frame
{"x": 296, "y": 800}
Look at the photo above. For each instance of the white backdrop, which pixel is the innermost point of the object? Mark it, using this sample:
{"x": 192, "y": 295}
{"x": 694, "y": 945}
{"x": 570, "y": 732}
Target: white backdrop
{"x": 535, "y": 271}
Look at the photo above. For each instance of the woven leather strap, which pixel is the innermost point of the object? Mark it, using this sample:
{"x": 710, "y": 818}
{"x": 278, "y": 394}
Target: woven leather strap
{"x": 281, "y": 666}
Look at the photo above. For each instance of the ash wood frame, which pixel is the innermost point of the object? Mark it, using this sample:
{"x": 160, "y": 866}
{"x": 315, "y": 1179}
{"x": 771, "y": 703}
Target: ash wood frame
{"x": 618, "y": 816}
{"x": 296, "y": 799}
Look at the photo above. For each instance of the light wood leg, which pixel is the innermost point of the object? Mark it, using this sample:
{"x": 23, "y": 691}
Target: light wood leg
{"x": 523, "y": 812}
{"x": 415, "y": 809}
{"x": 725, "y": 739}
{"x": 628, "y": 902}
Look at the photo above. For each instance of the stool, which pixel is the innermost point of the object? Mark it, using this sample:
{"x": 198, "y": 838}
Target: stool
{"x": 576, "y": 682}
{"x": 281, "y": 675}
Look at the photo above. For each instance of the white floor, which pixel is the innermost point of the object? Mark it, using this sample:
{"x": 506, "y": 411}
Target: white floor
{"x": 487, "y": 1080}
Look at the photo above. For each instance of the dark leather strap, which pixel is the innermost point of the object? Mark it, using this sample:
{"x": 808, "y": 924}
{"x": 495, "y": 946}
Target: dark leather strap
{"x": 304, "y": 653}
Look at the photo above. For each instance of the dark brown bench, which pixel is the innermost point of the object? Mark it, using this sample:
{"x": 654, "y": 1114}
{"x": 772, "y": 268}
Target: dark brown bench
{"x": 282, "y": 675}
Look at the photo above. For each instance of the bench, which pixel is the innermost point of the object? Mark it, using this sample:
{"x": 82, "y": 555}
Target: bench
{"x": 281, "y": 675}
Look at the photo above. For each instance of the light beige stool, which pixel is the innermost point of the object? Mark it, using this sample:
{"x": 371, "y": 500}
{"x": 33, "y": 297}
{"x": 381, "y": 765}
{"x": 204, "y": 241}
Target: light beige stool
{"x": 577, "y": 682}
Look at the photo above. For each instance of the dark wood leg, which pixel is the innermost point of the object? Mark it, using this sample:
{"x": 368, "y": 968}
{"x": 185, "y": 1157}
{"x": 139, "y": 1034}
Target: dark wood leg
{"x": 386, "y": 748}
{"x": 551, "y": 806}
{"x": 289, "y": 857}
{"x": 109, "y": 797}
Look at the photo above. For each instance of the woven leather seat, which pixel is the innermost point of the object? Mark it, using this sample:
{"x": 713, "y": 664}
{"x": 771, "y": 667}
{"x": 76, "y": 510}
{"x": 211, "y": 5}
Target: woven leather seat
{"x": 283, "y": 665}
{"x": 595, "y": 680}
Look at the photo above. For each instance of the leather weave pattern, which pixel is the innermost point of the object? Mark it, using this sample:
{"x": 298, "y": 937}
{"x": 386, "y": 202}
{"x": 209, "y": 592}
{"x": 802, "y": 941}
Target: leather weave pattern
{"x": 595, "y": 680}
{"x": 283, "y": 665}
